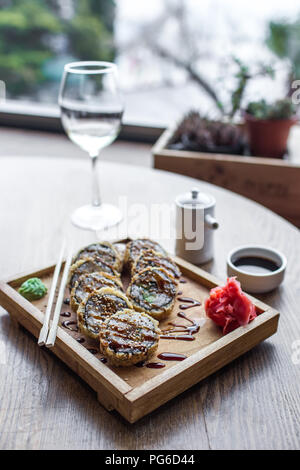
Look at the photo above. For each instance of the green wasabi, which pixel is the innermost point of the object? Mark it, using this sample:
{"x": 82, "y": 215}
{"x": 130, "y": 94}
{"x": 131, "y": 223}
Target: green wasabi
{"x": 33, "y": 289}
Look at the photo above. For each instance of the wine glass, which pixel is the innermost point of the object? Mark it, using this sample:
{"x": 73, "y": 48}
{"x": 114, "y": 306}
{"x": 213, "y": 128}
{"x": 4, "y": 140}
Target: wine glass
{"x": 91, "y": 113}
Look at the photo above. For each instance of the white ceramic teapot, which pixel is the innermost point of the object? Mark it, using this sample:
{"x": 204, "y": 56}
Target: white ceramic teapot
{"x": 195, "y": 226}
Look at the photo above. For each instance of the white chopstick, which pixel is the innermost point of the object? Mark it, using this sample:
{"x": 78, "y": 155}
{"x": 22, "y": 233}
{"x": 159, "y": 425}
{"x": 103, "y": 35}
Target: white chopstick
{"x": 45, "y": 328}
{"x": 53, "y": 330}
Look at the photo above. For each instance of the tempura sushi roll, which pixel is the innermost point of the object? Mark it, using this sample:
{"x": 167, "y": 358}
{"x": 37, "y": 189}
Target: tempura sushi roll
{"x": 153, "y": 291}
{"x": 152, "y": 259}
{"x": 105, "y": 251}
{"x": 135, "y": 247}
{"x": 88, "y": 265}
{"x": 128, "y": 337}
{"x": 89, "y": 282}
{"x": 97, "y": 307}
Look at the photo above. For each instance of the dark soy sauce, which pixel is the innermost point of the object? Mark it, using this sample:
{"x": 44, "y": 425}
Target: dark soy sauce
{"x": 67, "y": 324}
{"x": 155, "y": 365}
{"x": 180, "y": 292}
{"x": 104, "y": 360}
{"x": 256, "y": 265}
{"x": 168, "y": 356}
{"x": 67, "y": 301}
{"x": 66, "y": 314}
{"x": 80, "y": 340}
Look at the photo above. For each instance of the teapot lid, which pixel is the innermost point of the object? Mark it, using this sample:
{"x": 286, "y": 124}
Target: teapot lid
{"x": 195, "y": 199}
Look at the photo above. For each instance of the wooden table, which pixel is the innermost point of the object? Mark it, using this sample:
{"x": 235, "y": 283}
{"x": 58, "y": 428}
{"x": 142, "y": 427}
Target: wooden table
{"x": 252, "y": 403}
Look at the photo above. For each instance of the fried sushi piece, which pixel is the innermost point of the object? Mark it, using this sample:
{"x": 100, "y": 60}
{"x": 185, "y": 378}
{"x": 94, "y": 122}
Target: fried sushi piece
{"x": 135, "y": 247}
{"x": 151, "y": 258}
{"x": 97, "y": 307}
{"x": 88, "y": 265}
{"x": 129, "y": 337}
{"x": 105, "y": 251}
{"x": 120, "y": 248}
{"x": 89, "y": 282}
{"x": 153, "y": 291}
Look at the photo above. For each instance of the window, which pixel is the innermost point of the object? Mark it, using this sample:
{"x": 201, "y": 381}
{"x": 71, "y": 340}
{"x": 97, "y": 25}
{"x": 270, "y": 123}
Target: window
{"x": 173, "y": 55}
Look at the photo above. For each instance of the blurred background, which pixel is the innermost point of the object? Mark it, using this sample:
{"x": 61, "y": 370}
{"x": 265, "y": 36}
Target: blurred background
{"x": 179, "y": 53}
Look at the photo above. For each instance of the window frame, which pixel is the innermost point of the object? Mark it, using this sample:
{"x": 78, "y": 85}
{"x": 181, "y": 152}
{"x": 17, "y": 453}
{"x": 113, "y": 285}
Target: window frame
{"x": 36, "y": 116}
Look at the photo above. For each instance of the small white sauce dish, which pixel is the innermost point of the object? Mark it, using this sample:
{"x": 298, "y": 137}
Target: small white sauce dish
{"x": 257, "y": 282}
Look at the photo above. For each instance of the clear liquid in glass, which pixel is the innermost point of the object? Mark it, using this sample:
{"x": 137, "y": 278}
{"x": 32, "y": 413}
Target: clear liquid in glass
{"x": 91, "y": 130}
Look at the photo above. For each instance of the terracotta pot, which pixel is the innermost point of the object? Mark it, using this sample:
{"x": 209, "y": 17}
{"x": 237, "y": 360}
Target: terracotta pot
{"x": 268, "y": 137}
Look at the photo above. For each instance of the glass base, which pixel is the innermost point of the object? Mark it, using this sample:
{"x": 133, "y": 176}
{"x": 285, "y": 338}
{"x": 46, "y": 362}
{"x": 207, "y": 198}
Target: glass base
{"x": 96, "y": 218}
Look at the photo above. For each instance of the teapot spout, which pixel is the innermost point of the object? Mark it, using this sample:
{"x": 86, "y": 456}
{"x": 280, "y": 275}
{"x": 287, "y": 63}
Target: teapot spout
{"x": 211, "y": 222}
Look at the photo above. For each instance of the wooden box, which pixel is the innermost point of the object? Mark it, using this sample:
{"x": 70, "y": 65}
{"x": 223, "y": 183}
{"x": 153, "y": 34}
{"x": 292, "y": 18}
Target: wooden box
{"x": 271, "y": 182}
{"x": 135, "y": 391}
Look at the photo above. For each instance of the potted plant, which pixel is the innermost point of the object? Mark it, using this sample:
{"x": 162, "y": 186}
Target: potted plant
{"x": 201, "y": 134}
{"x": 212, "y": 150}
{"x": 268, "y": 127}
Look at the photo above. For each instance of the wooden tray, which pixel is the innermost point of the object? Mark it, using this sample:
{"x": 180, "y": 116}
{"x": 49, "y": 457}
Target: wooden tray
{"x": 136, "y": 391}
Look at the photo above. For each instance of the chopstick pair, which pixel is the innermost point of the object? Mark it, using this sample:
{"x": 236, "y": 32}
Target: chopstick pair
{"x": 47, "y": 337}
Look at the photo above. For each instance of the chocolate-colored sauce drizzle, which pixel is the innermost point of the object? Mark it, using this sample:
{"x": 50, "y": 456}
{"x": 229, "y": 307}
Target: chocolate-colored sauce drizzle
{"x": 179, "y": 328}
{"x": 66, "y": 314}
{"x": 150, "y": 365}
{"x": 169, "y": 356}
{"x": 67, "y": 324}
{"x": 155, "y": 365}
{"x": 165, "y": 356}
{"x": 188, "y": 300}
{"x": 179, "y": 337}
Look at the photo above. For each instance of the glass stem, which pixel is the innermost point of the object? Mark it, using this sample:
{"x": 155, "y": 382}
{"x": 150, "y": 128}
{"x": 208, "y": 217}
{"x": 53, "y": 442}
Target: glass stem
{"x": 96, "y": 202}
